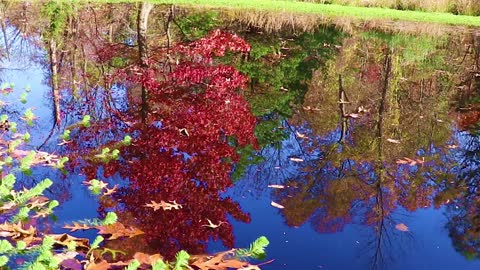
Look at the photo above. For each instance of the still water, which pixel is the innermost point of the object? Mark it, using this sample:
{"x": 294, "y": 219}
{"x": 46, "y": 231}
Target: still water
{"x": 346, "y": 148}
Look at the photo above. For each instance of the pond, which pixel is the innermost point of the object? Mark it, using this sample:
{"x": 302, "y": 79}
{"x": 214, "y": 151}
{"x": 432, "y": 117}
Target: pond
{"x": 347, "y": 145}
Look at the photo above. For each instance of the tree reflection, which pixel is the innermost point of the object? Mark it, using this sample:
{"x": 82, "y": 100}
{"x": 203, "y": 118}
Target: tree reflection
{"x": 184, "y": 146}
{"x": 384, "y": 154}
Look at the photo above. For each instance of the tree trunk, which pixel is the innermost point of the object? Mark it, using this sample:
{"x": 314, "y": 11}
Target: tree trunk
{"x": 55, "y": 89}
{"x": 142, "y": 27}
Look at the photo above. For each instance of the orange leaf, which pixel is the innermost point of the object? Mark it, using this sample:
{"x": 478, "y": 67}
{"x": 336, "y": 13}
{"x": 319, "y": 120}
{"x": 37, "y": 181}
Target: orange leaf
{"x": 118, "y": 230}
{"x": 164, "y": 205}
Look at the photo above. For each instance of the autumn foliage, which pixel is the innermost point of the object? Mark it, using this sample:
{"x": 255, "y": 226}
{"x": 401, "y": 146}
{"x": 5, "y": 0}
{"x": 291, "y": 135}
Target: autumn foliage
{"x": 186, "y": 150}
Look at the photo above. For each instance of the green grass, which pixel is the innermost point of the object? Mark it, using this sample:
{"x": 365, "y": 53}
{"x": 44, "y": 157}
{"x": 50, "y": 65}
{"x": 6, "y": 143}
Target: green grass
{"x": 330, "y": 11}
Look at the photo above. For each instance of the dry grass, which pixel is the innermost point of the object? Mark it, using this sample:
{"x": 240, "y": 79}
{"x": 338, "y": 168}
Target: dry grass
{"x": 281, "y": 21}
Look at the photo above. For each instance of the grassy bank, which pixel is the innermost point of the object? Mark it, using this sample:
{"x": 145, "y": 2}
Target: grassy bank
{"x": 332, "y": 10}
{"x": 465, "y": 7}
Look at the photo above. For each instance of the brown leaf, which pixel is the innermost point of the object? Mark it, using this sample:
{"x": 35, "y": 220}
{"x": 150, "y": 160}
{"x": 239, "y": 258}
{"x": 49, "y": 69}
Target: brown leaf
{"x": 101, "y": 265}
{"x": 220, "y": 261}
{"x": 78, "y": 226}
{"x": 64, "y": 239}
{"x": 38, "y": 202}
{"x": 401, "y": 227}
{"x": 118, "y": 230}
{"x": 16, "y": 230}
{"x": 146, "y": 258}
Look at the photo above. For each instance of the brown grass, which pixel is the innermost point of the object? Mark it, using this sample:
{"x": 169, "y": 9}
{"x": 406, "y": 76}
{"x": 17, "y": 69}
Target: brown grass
{"x": 287, "y": 21}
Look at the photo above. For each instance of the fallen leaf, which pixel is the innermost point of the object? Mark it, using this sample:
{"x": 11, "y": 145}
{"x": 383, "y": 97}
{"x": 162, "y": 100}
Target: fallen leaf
{"x": 146, "y": 258}
{"x": 117, "y": 230}
{"x": 352, "y": 115}
{"x": 213, "y": 226}
{"x": 308, "y": 108}
{"x": 276, "y": 186}
{"x": 411, "y": 162}
{"x": 110, "y": 191}
{"x": 16, "y": 230}
{"x": 295, "y": 159}
{"x": 274, "y": 204}
{"x": 78, "y": 226}
{"x": 101, "y": 265}
{"x": 393, "y": 141}
{"x": 64, "y": 239}
{"x": 300, "y": 135}
{"x": 163, "y": 205}
{"x": 220, "y": 261}
{"x": 65, "y": 256}
{"x": 401, "y": 227}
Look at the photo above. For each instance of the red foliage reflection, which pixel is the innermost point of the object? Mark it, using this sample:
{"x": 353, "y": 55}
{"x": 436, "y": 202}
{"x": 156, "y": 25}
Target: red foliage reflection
{"x": 187, "y": 148}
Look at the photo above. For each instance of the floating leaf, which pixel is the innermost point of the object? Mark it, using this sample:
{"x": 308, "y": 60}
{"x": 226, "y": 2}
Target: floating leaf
{"x": 296, "y": 159}
{"x": 274, "y": 204}
{"x": 164, "y": 205}
{"x": 393, "y": 141}
{"x": 352, "y": 115}
{"x": 219, "y": 261}
{"x": 411, "y": 162}
{"x": 66, "y": 240}
{"x": 401, "y": 227}
{"x": 300, "y": 135}
{"x": 212, "y": 225}
{"x": 78, "y": 226}
{"x": 118, "y": 230}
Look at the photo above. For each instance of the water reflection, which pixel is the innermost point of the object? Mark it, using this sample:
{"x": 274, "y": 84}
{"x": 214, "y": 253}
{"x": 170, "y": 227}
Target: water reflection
{"x": 359, "y": 128}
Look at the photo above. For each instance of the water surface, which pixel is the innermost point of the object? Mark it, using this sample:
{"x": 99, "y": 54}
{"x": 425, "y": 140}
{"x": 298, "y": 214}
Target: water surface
{"x": 369, "y": 137}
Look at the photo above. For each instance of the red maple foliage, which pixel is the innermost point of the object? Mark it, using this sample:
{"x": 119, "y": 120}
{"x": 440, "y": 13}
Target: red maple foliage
{"x": 186, "y": 150}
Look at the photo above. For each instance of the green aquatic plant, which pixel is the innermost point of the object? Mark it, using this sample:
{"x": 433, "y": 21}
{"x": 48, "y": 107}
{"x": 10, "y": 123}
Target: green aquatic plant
{"x": 66, "y": 135}
{"x": 127, "y": 140}
{"x": 23, "y": 98}
{"x": 29, "y": 117}
{"x": 86, "y": 121}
